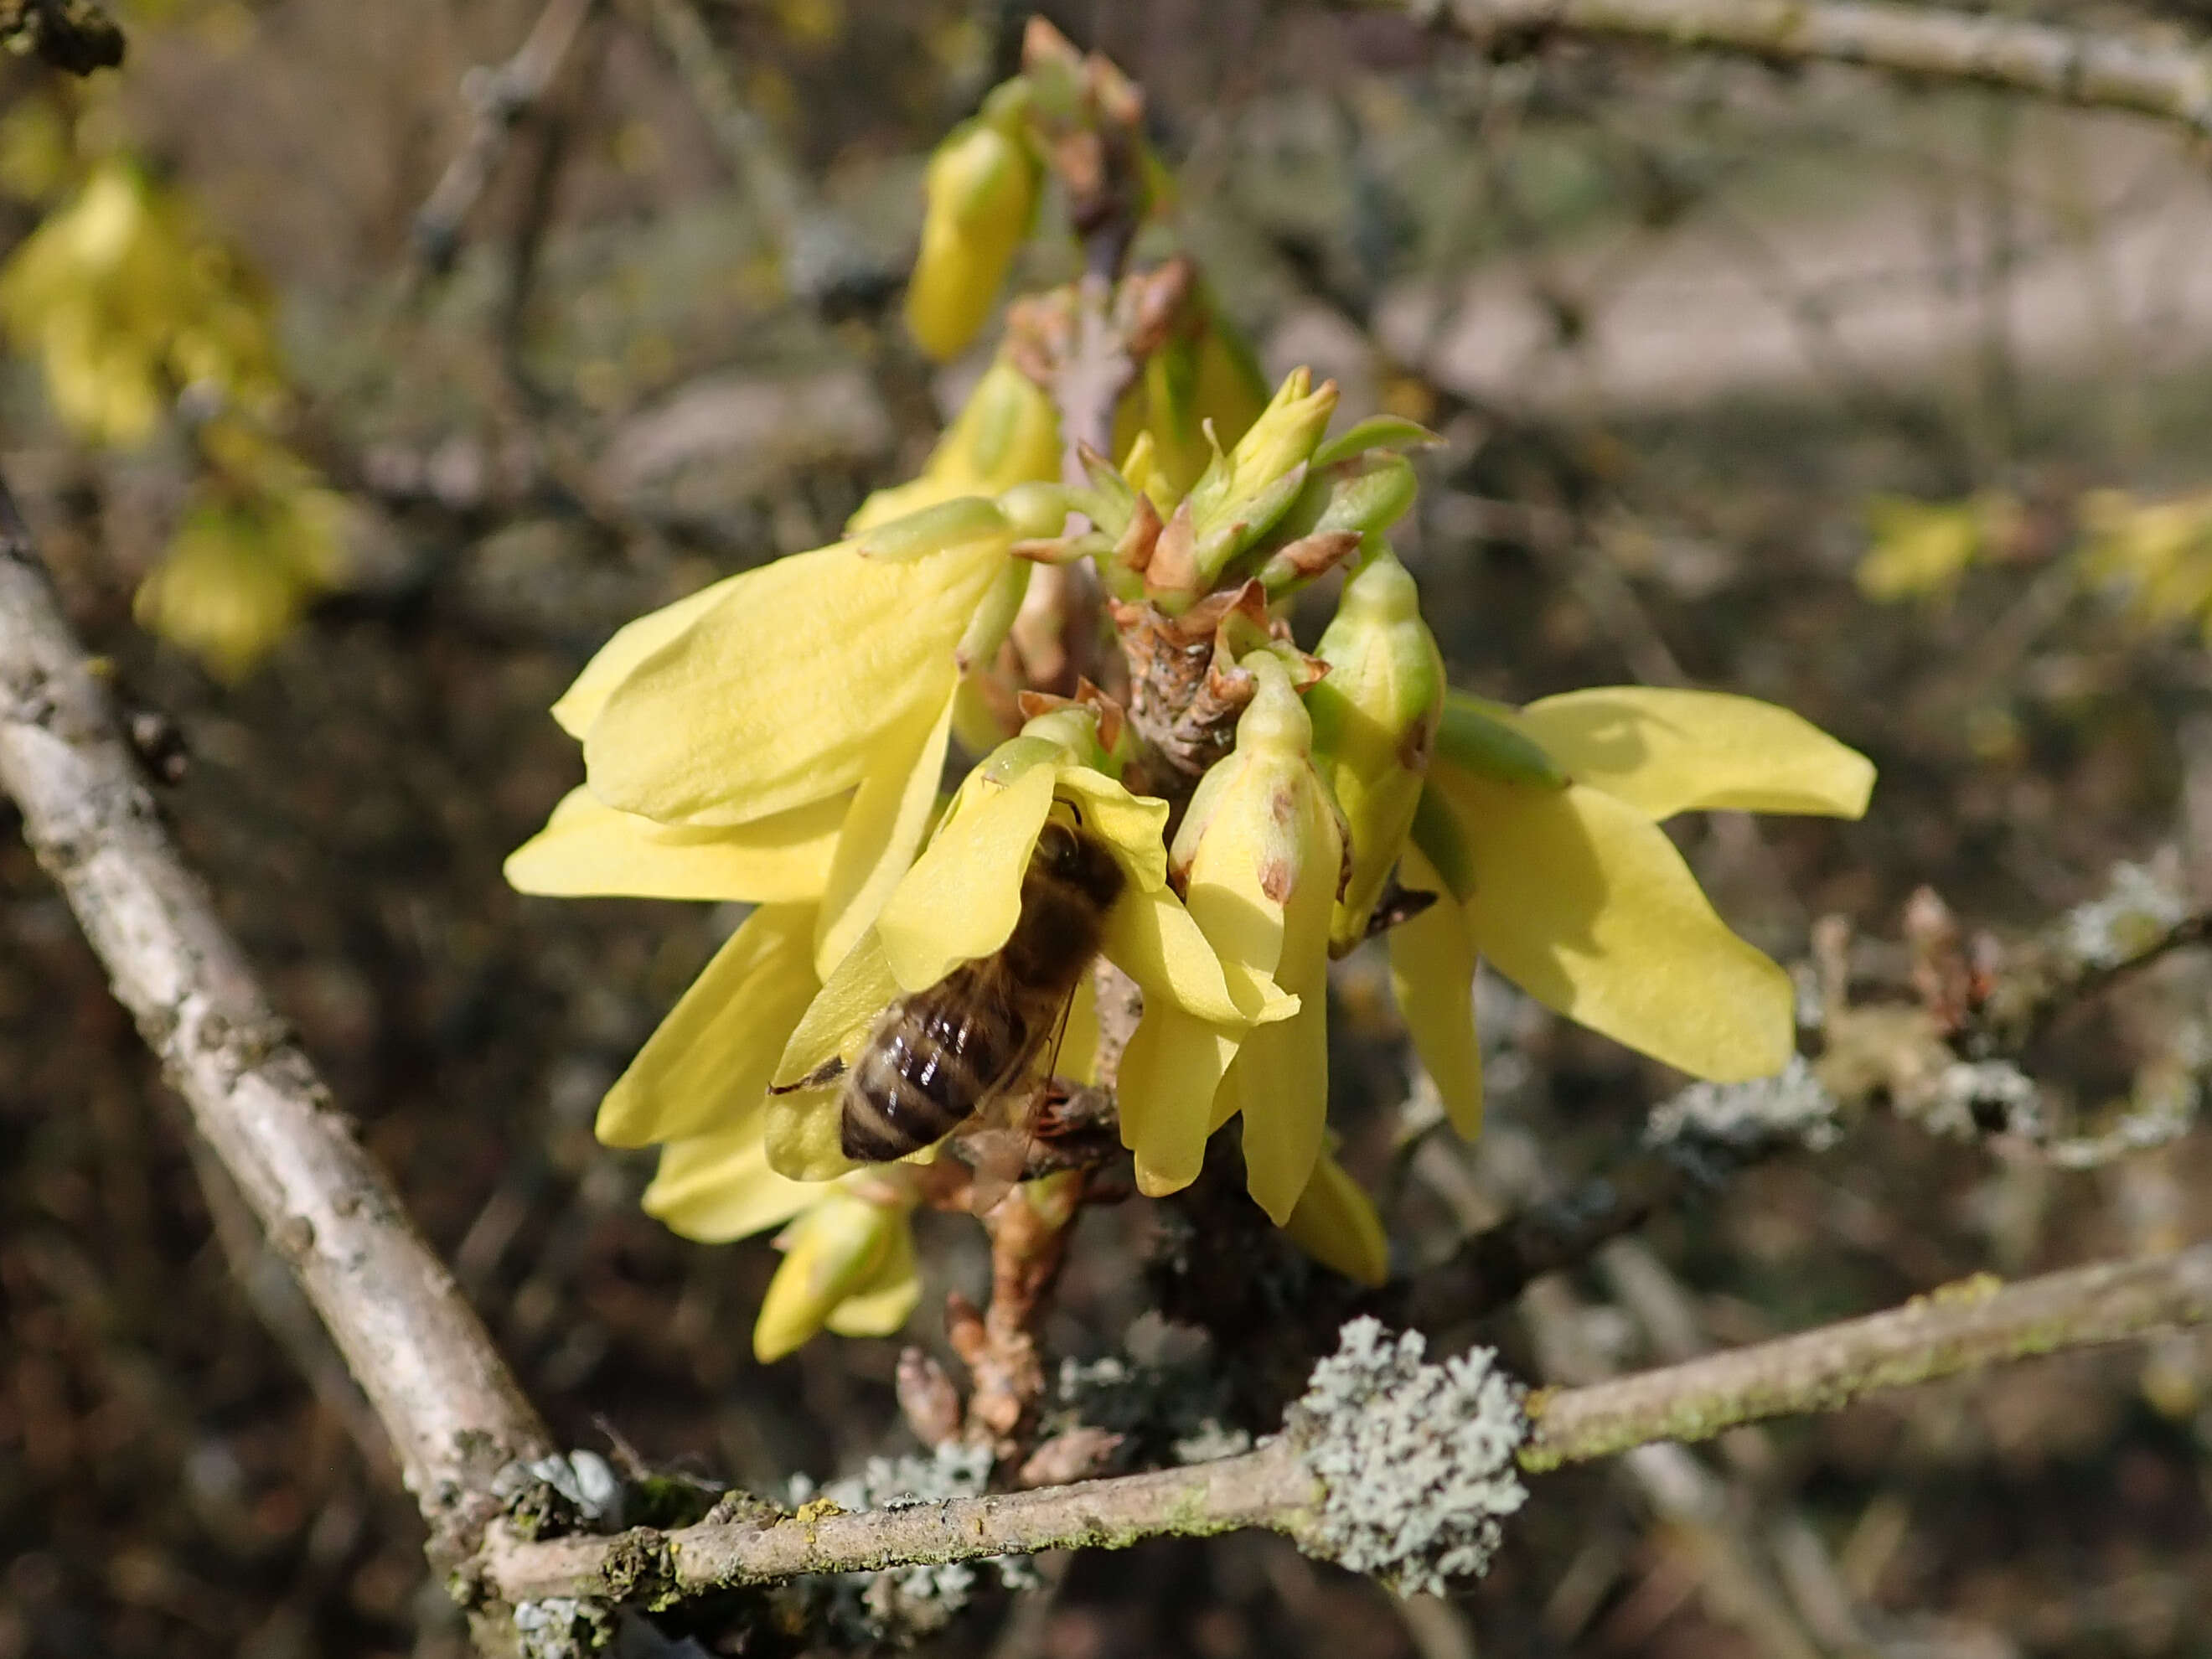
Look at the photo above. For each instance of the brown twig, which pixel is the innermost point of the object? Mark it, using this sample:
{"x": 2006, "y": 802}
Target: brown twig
{"x": 1961, "y": 1329}
{"x": 501, "y": 98}
{"x": 454, "y": 1413}
{"x": 2093, "y": 69}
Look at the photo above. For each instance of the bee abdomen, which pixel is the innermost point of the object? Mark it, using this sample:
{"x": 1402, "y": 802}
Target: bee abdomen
{"x": 928, "y": 1069}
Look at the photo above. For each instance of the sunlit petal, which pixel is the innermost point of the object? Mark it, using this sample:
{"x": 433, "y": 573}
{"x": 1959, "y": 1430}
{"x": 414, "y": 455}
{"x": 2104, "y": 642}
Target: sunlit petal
{"x": 781, "y": 694}
{"x": 1582, "y": 901}
{"x": 1171, "y": 1073}
{"x": 706, "y": 1066}
{"x": 1135, "y": 826}
{"x": 716, "y": 1187}
{"x": 876, "y": 848}
{"x": 1152, "y": 938}
{"x": 1664, "y": 751}
{"x": 961, "y": 899}
{"x": 589, "y": 849}
{"x": 633, "y": 642}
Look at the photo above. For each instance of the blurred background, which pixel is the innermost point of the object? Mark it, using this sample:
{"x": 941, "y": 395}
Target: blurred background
{"x": 1886, "y": 402}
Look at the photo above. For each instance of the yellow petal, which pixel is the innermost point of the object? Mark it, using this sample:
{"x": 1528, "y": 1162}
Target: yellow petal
{"x": 802, "y": 1125}
{"x": 884, "y": 1303}
{"x": 1336, "y": 1225}
{"x": 1281, "y": 1075}
{"x": 961, "y": 899}
{"x": 1171, "y": 1073}
{"x": 632, "y": 644}
{"x": 1433, "y": 975}
{"x": 717, "y": 1188}
{"x": 1582, "y": 901}
{"x": 1152, "y": 938}
{"x": 589, "y": 849}
{"x": 1664, "y": 751}
{"x": 783, "y": 693}
{"x": 876, "y": 846}
{"x": 830, "y": 1251}
{"x": 708, "y": 1064}
{"x": 1135, "y": 826}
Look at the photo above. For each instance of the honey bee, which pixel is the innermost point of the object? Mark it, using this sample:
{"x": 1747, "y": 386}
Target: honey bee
{"x": 937, "y": 1058}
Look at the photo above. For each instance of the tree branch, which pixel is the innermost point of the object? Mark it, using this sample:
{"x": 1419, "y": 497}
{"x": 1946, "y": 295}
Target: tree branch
{"x": 501, "y": 97}
{"x": 1960, "y": 1329}
{"x": 2094, "y": 70}
{"x": 441, "y": 1391}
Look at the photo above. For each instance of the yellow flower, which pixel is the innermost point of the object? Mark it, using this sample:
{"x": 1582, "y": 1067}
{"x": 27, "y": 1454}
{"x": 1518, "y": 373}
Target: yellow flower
{"x": 1006, "y": 434}
{"x": 1262, "y": 858}
{"x": 1539, "y": 826}
{"x": 960, "y": 902}
{"x": 848, "y": 1260}
{"x": 782, "y": 688}
{"x": 1336, "y": 1224}
{"x": 127, "y": 300}
{"x": 981, "y": 192}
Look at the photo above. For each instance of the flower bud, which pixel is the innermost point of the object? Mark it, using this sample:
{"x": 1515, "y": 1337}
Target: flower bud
{"x": 847, "y": 1246}
{"x": 982, "y": 192}
{"x": 1242, "y": 495}
{"x": 1261, "y": 854}
{"x": 1374, "y": 719}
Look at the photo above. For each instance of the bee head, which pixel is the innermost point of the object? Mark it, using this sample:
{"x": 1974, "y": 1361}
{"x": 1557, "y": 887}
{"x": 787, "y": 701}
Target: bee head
{"x": 1071, "y": 857}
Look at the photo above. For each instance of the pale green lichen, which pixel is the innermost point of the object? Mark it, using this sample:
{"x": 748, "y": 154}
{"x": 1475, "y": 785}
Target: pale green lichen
{"x": 1416, "y": 1461}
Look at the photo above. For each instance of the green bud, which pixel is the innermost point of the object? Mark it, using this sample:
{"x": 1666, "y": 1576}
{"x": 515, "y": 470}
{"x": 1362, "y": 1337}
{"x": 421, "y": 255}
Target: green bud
{"x": 1375, "y": 719}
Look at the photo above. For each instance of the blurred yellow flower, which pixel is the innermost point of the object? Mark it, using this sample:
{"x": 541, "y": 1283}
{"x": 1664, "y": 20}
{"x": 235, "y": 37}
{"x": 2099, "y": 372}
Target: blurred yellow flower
{"x": 982, "y": 191}
{"x": 127, "y": 300}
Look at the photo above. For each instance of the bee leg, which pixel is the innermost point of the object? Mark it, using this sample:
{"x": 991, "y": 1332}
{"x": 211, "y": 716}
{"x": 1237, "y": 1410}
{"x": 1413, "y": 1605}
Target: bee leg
{"x": 828, "y": 1071}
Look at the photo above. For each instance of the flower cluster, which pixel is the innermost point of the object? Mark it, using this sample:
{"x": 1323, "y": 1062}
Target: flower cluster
{"x": 1250, "y": 809}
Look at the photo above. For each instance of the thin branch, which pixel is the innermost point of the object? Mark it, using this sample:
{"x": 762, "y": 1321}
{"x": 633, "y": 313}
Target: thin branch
{"x": 2099, "y": 70}
{"x": 455, "y": 1415}
{"x": 501, "y": 98}
{"x": 1960, "y": 1329}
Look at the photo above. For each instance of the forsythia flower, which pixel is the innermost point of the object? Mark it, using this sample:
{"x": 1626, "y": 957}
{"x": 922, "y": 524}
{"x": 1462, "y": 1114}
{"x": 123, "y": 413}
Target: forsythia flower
{"x": 960, "y": 902}
{"x": 1207, "y": 374}
{"x": 1336, "y": 1224}
{"x": 1262, "y": 858}
{"x": 790, "y": 685}
{"x": 1541, "y": 827}
{"x": 1006, "y": 434}
{"x": 849, "y": 1262}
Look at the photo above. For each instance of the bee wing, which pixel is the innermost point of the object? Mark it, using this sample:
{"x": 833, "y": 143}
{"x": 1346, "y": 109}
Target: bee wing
{"x": 1001, "y": 1138}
